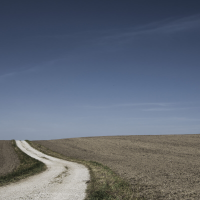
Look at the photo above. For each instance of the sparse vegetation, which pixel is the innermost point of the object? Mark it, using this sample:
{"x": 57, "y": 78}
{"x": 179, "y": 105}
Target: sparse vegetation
{"x": 106, "y": 184}
{"x": 28, "y": 166}
{"x": 103, "y": 184}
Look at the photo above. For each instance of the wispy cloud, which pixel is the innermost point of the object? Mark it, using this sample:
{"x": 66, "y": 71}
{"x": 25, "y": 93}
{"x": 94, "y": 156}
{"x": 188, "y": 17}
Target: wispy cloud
{"x": 127, "y": 105}
{"x": 30, "y": 70}
{"x": 16, "y": 73}
{"x": 150, "y": 119}
{"x": 168, "y": 26}
{"x": 7, "y": 75}
{"x": 158, "y": 109}
{"x": 185, "y": 119}
{"x": 147, "y": 107}
{"x": 170, "y": 108}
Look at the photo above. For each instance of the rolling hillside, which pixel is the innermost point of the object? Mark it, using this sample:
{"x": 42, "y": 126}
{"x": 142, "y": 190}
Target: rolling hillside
{"x": 164, "y": 167}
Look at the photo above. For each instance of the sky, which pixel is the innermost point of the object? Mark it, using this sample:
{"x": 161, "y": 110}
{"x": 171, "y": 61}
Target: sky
{"x": 99, "y": 68}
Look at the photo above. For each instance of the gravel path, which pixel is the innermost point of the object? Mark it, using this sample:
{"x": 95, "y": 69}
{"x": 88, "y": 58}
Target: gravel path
{"x": 57, "y": 182}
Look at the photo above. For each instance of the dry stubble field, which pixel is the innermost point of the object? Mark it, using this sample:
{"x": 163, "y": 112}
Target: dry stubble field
{"x": 8, "y": 157}
{"x": 162, "y": 167}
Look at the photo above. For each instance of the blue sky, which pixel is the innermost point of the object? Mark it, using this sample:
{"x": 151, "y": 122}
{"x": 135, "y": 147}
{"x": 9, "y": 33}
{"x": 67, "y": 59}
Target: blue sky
{"x": 95, "y": 68}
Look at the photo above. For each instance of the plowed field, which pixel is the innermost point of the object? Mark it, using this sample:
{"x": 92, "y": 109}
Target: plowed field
{"x": 8, "y": 158}
{"x": 162, "y": 167}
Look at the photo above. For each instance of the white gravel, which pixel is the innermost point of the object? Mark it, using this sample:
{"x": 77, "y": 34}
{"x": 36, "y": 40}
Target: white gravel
{"x": 56, "y": 182}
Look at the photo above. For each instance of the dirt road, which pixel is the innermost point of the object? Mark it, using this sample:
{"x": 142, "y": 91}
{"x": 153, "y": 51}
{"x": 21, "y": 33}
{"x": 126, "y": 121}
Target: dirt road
{"x": 62, "y": 180}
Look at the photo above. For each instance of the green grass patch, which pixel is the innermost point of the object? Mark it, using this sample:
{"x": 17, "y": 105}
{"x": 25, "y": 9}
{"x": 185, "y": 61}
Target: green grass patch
{"x": 28, "y": 167}
{"x": 104, "y": 183}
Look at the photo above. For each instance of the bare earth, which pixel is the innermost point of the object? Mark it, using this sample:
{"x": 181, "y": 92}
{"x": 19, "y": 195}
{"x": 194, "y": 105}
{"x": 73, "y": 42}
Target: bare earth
{"x": 8, "y": 158}
{"x": 164, "y": 167}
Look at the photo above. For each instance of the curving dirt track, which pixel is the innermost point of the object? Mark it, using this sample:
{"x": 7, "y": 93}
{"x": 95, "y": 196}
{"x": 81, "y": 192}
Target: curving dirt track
{"x": 8, "y": 158}
{"x": 57, "y": 182}
{"x": 165, "y": 167}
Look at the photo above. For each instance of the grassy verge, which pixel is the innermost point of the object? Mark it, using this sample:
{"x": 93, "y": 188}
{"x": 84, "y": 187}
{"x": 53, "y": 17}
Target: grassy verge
{"x": 28, "y": 166}
{"x": 103, "y": 184}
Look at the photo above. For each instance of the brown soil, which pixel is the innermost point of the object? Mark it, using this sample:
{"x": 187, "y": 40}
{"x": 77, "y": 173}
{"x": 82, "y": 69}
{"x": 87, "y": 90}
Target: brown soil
{"x": 8, "y": 158}
{"x": 163, "y": 167}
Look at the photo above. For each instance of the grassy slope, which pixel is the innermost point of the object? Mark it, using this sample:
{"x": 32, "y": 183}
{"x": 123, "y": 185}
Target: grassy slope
{"x": 104, "y": 183}
{"x": 28, "y": 166}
